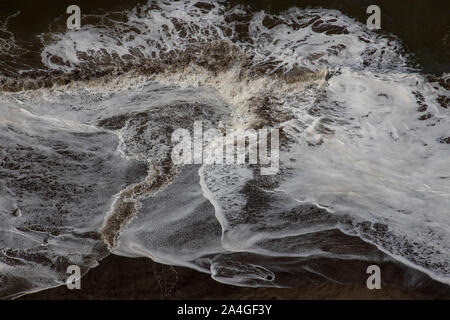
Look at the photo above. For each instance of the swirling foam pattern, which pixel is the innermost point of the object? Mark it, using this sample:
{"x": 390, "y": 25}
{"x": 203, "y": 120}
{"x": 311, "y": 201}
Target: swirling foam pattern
{"x": 364, "y": 150}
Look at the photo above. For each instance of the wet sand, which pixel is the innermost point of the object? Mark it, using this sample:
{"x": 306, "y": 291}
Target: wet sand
{"x": 112, "y": 279}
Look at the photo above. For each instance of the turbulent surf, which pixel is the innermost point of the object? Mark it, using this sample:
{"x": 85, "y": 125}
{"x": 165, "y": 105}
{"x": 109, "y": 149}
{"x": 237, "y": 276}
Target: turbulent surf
{"x": 85, "y": 149}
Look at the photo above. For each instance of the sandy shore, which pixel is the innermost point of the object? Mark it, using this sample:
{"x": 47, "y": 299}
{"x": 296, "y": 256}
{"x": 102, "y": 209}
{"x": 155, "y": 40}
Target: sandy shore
{"x": 149, "y": 280}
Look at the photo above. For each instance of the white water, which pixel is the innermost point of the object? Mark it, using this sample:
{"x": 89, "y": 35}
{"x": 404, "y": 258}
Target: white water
{"x": 359, "y": 149}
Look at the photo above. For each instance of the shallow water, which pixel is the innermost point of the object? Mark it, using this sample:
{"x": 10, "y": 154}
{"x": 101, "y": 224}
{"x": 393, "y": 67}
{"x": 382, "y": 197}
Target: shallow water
{"x": 86, "y": 165}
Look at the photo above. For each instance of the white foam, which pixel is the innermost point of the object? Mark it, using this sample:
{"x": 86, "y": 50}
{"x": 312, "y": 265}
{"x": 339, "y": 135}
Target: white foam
{"x": 360, "y": 153}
